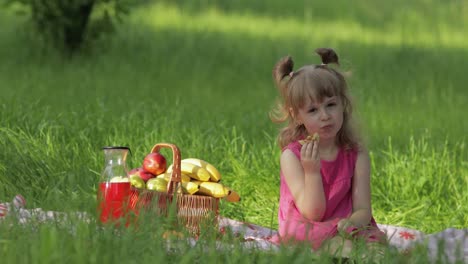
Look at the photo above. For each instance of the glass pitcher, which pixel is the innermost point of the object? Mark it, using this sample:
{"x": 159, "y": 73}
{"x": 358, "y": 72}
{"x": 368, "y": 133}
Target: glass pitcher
{"x": 114, "y": 185}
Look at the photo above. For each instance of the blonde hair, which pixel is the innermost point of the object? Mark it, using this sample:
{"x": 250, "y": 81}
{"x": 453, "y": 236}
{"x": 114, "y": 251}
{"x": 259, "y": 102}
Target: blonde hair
{"x": 315, "y": 82}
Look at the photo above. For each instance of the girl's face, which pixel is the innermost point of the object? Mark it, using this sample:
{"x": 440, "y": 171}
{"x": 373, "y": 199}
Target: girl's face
{"x": 324, "y": 118}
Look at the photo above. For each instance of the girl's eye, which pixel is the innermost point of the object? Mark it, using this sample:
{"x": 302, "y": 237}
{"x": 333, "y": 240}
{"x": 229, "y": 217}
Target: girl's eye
{"x": 313, "y": 110}
{"x": 331, "y": 104}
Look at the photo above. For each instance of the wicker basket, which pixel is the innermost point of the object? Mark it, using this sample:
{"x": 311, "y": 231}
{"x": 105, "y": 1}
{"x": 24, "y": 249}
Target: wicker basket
{"x": 192, "y": 210}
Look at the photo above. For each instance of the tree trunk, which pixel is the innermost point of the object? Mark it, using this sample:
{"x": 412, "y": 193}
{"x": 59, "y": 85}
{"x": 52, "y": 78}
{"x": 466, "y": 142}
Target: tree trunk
{"x": 74, "y": 30}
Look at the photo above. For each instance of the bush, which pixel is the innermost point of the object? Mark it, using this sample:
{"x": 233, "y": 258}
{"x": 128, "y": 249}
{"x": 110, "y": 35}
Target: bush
{"x": 67, "y": 24}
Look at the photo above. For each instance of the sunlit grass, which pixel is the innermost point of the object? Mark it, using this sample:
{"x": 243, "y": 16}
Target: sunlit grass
{"x": 395, "y": 33}
{"x": 208, "y": 89}
{"x": 410, "y": 184}
{"x": 199, "y": 76}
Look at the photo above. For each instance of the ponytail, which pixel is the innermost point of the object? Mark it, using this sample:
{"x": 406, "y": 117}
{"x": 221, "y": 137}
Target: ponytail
{"x": 282, "y": 69}
{"x": 327, "y": 56}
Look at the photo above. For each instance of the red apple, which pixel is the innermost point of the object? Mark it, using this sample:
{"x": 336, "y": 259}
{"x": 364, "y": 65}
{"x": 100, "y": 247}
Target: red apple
{"x": 140, "y": 172}
{"x": 155, "y": 163}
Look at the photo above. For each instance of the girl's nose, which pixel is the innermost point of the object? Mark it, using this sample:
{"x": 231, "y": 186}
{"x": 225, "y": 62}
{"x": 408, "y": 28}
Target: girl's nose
{"x": 324, "y": 115}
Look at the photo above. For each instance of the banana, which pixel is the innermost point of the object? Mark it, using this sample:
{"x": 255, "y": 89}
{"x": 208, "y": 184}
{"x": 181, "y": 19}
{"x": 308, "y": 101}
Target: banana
{"x": 190, "y": 187}
{"x": 232, "y": 196}
{"x": 213, "y": 189}
{"x": 215, "y": 175}
{"x": 167, "y": 176}
{"x": 193, "y": 171}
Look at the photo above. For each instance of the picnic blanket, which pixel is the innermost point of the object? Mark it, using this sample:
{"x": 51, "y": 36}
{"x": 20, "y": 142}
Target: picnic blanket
{"x": 454, "y": 242}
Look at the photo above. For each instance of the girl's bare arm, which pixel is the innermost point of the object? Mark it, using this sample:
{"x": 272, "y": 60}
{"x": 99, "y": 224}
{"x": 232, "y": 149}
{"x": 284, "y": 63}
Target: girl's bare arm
{"x": 305, "y": 185}
{"x": 361, "y": 193}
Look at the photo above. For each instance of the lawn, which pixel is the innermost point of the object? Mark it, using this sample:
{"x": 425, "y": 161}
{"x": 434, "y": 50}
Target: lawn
{"x": 199, "y": 76}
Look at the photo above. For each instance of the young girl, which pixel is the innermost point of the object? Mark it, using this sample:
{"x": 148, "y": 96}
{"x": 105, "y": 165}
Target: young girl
{"x": 325, "y": 183}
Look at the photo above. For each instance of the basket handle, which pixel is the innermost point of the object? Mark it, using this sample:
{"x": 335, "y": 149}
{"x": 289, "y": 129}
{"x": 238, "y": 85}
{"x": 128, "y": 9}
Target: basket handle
{"x": 176, "y": 173}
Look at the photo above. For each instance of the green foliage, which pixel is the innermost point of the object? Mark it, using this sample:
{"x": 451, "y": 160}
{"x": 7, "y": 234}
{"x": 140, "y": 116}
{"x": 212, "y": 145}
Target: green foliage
{"x": 199, "y": 76}
{"x": 206, "y": 86}
{"x": 68, "y": 24}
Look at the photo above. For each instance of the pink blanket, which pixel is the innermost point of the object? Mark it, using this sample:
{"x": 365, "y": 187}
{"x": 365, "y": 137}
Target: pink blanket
{"x": 454, "y": 242}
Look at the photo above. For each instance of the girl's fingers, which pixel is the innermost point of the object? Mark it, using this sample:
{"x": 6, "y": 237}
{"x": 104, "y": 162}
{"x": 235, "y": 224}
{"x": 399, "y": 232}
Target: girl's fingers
{"x": 315, "y": 152}
{"x": 309, "y": 149}
{"x": 310, "y": 157}
{"x": 306, "y": 150}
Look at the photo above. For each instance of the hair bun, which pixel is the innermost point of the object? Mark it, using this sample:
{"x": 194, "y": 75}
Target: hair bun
{"x": 327, "y": 55}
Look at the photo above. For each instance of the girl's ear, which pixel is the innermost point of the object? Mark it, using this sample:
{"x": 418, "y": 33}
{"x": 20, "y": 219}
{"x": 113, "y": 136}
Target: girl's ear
{"x": 293, "y": 116}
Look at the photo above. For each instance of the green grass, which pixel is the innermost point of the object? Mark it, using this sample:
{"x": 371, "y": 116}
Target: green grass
{"x": 199, "y": 76}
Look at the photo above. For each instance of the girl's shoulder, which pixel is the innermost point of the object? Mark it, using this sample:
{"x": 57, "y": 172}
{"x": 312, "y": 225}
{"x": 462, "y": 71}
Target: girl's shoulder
{"x": 294, "y": 146}
{"x": 353, "y": 153}
{"x": 360, "y": 149}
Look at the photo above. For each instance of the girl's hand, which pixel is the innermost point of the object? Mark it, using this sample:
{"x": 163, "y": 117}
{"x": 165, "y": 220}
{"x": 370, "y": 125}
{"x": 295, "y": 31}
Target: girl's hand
{"x": 343, "y": 224}
{"x": 310, "y": 158}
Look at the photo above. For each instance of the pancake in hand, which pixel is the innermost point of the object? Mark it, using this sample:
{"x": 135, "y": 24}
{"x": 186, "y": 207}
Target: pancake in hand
{"x": 310, "y": 138}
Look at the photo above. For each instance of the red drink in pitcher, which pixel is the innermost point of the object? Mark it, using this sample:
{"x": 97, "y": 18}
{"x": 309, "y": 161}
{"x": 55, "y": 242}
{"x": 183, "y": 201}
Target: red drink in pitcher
{"x": 114, "y": 186}
{"x": 113, "y": 199}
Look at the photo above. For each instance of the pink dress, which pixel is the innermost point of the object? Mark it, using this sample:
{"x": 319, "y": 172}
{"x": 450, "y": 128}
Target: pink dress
{"x": 337, "y": 180}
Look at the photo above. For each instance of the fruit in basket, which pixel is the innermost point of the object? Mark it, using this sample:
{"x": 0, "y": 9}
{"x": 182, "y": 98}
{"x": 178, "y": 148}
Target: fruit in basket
{"x": 215, "y": 175}
{"x": 140, "y": 172}
{"x": 193, "y": 171}
{"x": 155, "y": 163}
{"x": 157, "y": 184}
{"x": 232, "y": 196}
{"x": 190, "y": 187}
{"x": 137, "y": 182}
{"x": 167, "y": 176}
{"x": 213, "y": 189}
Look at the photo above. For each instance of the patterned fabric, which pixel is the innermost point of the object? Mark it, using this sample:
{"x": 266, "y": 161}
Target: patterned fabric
{"x": 337, "y": 178}
{"x": 450, "y": 243}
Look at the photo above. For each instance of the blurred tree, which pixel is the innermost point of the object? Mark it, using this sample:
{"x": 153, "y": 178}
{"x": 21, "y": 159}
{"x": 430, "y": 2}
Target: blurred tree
{"x": 69, "y": 23}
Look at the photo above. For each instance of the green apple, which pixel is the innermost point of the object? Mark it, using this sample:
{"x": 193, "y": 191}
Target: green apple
{"x": 157, "y": 184}
{"x": 137, "y": 182}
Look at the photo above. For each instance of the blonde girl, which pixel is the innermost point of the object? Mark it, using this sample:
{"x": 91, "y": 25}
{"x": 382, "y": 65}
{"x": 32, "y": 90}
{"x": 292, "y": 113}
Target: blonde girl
{"x": 325, "y": 190}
